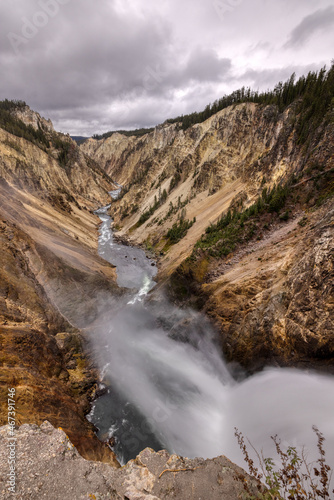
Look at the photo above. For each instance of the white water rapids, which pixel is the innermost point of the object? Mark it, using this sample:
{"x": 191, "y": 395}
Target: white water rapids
{"x": 171, "y": 388}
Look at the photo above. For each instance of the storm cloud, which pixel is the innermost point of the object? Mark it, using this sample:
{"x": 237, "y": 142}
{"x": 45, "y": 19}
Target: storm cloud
{"x": 96, "y": 66}
{"x": 320, "y": 20}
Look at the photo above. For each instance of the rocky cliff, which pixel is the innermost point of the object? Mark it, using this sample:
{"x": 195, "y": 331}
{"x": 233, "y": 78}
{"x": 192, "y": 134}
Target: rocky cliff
{"x": 50, "y": 277}
{"x": 178, "y": 183}
{"x": 51, "y": 467}
{"x": 30, "y": 117}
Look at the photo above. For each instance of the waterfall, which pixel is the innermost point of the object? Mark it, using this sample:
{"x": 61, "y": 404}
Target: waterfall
{"x": 170, "y": 387}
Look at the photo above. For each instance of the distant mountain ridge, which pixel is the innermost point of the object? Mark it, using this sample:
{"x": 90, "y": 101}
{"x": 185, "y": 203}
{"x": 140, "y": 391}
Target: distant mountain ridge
{"x": 315, "y": 87}
{"x": 79, "y": 139}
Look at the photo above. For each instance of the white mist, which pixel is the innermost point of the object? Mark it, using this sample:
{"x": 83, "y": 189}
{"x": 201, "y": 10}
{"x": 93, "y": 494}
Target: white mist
{"x": 184, "y": 391}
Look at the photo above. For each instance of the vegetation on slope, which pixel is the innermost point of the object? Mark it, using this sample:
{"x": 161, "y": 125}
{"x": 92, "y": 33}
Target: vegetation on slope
{"x": 235, "y": 227}
{"x": 41, "y": 138}
{"x": 16, "y": 127}
{"x": 56, "y": 144}
{"x": 238, "y": 225}
{"x": 157, "y": 203}
{"x": 293, "y": 477}
{"x": 150, "y": 211}
{"x": 139, "y": 132}
{"x": 314, "y": 92}
{"x": 179, "y": 230}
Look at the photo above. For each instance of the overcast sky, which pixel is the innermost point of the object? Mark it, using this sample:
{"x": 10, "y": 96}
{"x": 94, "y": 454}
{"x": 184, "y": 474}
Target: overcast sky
{"x": 93, "y": 66}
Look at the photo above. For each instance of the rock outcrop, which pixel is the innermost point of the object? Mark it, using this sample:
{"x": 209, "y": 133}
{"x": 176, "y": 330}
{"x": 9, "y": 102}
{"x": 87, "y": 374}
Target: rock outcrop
{"x": 30, "y": 117}
{"x": 48, "y": 466}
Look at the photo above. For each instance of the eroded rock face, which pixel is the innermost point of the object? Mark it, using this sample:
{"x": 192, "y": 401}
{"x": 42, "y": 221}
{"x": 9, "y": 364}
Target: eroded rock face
{"x": 310, "y": 311}
{"x": 271, "y": 300}
{"x": 26, "y": 167}
{"x": 50, "y": 277}
{"x": 30, "y": 117}
{"x": 53, "y": 379}
{"x": 229, "y": 157}
{"x": 275, "y": 303}
{"x": 48, "y": 466}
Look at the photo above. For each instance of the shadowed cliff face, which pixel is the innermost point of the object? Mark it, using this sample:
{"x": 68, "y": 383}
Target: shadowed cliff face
{"x": 42, "y": 355}
{"x": 270, "y": 297}
{"x": 51, "y": 278}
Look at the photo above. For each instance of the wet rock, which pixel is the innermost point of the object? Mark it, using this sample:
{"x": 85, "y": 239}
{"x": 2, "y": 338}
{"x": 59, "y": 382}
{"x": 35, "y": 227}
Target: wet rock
{"x": 100, "y": 391}
{"x": 112, "y": 441}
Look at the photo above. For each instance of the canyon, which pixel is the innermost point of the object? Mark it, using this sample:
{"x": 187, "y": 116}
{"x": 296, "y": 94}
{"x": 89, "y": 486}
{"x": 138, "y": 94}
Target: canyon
{"x": 270, "y": 298}
{"x": 48, "y": 251}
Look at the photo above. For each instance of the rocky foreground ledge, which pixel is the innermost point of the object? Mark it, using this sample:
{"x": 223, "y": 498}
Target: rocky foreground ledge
{"x": 48, "y": 466}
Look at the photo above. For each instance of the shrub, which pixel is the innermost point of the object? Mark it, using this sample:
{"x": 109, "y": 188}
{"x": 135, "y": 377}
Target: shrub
{"x": 294, "y": 478}
{"x": 179, "y": 230}
{"x": 303, "y": 221}
{"x": 284, "y": 216}
{"x": 277, "y": 198}
{"x": 174, "y": 181}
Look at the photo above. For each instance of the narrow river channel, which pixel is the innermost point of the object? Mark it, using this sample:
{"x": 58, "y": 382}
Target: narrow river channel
{"x": 167, "y": 385}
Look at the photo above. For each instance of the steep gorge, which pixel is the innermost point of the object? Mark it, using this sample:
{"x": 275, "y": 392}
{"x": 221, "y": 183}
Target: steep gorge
{"x": 50, "y": 277}
{"x": 271, "y": 294}
{"x": 270, "y": 297}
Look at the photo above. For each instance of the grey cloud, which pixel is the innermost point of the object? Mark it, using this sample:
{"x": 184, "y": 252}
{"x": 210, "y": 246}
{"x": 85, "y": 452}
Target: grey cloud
{"x": 267, "y": 78}
{"x": 320, "y": 20}
{"x": 147, "y": 110}
{"x": 83, "y": 55}
{"x": 109, "y": 64}
{"x": 205, "y": 65}
{"x": 201, "y": 66}
{"x": 260, "y": 46}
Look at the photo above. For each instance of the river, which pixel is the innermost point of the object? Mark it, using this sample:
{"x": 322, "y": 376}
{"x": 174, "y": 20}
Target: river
{"x": 168, "y": 386}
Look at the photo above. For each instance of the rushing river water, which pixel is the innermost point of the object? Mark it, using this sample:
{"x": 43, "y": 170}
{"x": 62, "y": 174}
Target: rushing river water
{"x": 168, "y": 386}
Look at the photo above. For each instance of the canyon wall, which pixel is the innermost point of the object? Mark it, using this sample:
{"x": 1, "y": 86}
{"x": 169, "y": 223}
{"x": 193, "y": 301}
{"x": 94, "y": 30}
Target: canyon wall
{"x": 50, "y": 279}
{"x": 270, "y": 296}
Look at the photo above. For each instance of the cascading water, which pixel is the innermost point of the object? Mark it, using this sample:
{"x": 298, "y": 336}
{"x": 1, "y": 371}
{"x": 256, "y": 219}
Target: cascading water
{"x": 172, "y": 389}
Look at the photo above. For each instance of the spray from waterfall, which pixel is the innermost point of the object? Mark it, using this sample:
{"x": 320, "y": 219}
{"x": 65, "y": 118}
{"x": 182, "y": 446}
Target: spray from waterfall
{"x": 169, "y": 386}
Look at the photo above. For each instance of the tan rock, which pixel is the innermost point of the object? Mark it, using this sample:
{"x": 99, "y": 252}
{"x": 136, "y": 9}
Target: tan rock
{"x": 49, "y": 466}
